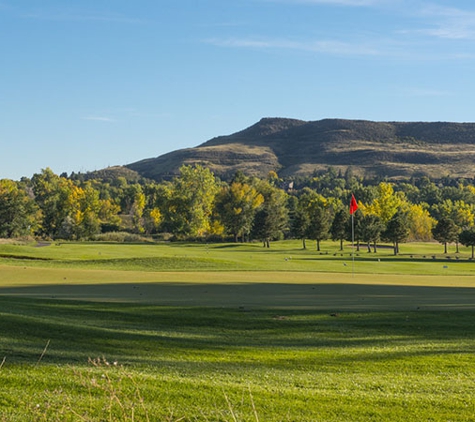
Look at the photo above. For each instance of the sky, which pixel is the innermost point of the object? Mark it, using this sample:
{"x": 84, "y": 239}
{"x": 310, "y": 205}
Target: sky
{"x": 95, "y": 83}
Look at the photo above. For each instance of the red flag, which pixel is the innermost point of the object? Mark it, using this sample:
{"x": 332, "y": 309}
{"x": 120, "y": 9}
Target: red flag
{"x": 353, "y": 204}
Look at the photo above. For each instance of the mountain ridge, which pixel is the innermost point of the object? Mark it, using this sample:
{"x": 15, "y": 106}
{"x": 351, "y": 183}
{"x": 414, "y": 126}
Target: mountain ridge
{"x": 293, "y": 147}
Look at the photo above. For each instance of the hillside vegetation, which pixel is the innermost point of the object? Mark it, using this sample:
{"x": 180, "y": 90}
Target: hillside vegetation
{"x": 295, "y": 147}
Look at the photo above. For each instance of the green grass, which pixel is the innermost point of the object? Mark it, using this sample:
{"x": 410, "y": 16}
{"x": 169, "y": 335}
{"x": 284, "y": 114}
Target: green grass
{"x": 195, "y": 332}
{"x": 208, "y": 364}
{"x": 415, "y": 258}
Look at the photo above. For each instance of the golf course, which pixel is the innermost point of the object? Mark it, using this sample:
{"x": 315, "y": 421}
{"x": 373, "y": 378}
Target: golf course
{"x": 235, "y": 332}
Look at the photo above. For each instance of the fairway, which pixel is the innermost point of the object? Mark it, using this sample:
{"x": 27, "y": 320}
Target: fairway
{"x": 240, "y": 275}
{"x": 332, "y": 291}
{"x": 191, "y": 332}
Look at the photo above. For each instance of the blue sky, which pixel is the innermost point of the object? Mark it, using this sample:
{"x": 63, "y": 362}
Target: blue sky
{"x": 92, "y": 83}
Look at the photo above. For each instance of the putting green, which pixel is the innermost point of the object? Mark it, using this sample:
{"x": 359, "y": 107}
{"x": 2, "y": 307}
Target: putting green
{"x": 332, "y": 291}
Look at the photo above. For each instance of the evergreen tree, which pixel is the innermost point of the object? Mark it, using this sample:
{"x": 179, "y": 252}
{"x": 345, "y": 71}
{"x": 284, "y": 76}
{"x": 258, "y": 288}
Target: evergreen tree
{"x": 357, "y": 221}
{"x": 339, "y": 227}
{"x": 397, "y": 230}
{"x": 467, "y": 238}
{"x": 272, "y": 217}
{"x": 445, "y": 231}
{"x": 319, "y": 225}
{"x": 300, "y": 223}
{"x": 371, "y": 228}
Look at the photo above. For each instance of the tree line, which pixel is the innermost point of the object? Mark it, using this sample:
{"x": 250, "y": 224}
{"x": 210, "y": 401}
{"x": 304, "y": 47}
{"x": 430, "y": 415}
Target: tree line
{"x": 197, "y": 205}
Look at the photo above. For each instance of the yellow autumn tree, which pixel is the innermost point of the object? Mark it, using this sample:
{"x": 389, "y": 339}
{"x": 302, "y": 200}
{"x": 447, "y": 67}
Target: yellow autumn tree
{"x": 386, "y": 203}
{"x": 137, "y": 210}
{"x": 190, "y": 202}
{"x": 236, "y": 206}
{"x": 420, "y": 222}
{"x": 19, "y": 215}
{"x": 153, "y": 219}
{"x": 460, "y": 212}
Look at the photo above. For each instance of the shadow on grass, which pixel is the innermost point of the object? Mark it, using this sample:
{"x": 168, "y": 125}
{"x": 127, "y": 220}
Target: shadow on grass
{"x": 320, "y": 296}
{"x": 231, "y": 335}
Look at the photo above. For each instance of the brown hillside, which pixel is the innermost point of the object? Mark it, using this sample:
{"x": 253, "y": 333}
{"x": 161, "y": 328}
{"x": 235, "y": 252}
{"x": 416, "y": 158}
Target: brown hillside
{"x": 296, "y": 147}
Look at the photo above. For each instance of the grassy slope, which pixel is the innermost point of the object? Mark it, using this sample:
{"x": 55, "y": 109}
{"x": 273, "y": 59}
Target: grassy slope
{"x": 303, "y": 342}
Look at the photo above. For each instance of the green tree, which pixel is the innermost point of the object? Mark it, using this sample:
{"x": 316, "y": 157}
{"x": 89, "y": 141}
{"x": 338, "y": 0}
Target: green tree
{"x": 271, "y": 219}
{"x": 467, "y": 238}
{"x": 429, "y": 192}
{"x": 314, "y": 224}
{"x": 319, "y": 225}
{"x": 357, "y": 228}
{"x": 57, "y": 198}
{"x": 397, "y": 230}
{"x": 371, "y": 229}
{"x": 445, "y": 231}
{"x": 339, "y": 226}
{"x": 461, "y": 213}
{"x": 300, "y": 223}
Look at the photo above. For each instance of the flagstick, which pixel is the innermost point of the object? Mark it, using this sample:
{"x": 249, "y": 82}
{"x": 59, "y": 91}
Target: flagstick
{"x": 353, "y": 208}
{"x": 353, "y": 244}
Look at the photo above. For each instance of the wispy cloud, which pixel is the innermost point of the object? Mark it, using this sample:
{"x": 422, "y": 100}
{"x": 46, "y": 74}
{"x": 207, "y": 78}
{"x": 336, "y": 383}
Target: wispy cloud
{"x": 224, "y": 24}
{"x": 319, "y": 46}
{"x": 448, "y": 22}
{"x": 124, "y": 114}
{"x": 426, "y": 92}
{"x": 99, "y": 119}
{"x": 427, "y": 24}
{"x": 151, "y": 115}
{"x": 355, "y": 3}
{"x": 5, "y": 6}
{"x": 75, "y": 16}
